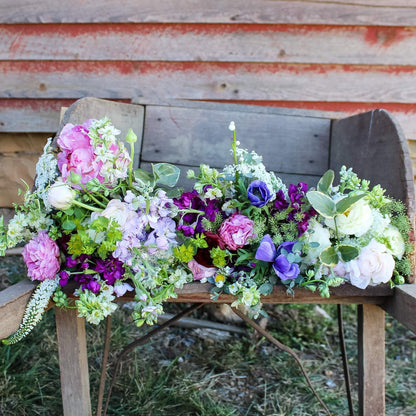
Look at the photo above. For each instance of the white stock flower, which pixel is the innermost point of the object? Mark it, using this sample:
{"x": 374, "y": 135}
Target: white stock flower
{"x": 61, "y": 195}
{"x": 316, "y": 234}
{"x": 357, "y": 220}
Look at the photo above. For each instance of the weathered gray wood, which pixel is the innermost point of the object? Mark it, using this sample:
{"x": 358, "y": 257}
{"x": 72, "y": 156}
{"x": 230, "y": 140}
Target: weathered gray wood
{"x": 13, "y": 301}
{"x": 207, "y": 81}
{"x": 73, "y": 363}
{"x": 388, "y": 12}
{"x": 123, "y": 117}
{"x": 374, "y": 146}
{"x": 190, "y": 136}
{"x": 402, "y": 305}
{"x": 222, "y": 43}
{"x": 371, "y": 360}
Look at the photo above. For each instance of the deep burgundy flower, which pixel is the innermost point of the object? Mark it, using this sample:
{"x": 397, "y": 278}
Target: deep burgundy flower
{"x": 258, "y": 193}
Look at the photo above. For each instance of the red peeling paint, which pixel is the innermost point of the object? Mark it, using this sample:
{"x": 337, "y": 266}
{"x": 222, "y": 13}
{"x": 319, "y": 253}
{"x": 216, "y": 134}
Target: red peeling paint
{"x": 387, "y": 36}
{"x": 40, "y": 104}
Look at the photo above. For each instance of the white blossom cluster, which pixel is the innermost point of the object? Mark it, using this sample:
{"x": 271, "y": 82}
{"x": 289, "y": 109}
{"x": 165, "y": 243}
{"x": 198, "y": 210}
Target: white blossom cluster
{"x": 35, "y": 309}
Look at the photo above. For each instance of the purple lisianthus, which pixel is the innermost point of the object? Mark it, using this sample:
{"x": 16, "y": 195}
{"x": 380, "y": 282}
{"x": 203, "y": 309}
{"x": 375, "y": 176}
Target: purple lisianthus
{"x": 267, "y": 252}
{"x": 258, "y": 193}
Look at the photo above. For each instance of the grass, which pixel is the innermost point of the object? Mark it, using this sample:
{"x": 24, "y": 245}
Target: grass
{"x": 192, "y": 372}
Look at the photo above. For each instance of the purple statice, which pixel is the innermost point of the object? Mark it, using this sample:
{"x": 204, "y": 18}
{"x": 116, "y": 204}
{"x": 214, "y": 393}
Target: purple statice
{"x": 258, "y": 193}
{"x": 111, "y": 269}
{"x": 281, "y": 265}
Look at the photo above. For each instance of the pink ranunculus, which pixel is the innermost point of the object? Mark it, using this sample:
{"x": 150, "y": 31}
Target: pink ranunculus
{"x": 201, "y": 272}
{"x": 41, "y": 256}
{"x": 236, "y": 231}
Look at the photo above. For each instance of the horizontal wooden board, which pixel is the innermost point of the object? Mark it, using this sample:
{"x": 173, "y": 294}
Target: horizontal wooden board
{"x": 22, "y": 143}
{"x": 193, "y": 136}
{"x": 364, "y": 12}
{"x": 212, "y": 81}
{"x": 221, "y": 43}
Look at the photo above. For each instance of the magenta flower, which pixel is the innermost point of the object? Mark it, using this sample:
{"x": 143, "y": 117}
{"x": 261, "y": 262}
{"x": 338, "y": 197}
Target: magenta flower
{"x": 41, "y": 256}
{"x": 236, "y": 231}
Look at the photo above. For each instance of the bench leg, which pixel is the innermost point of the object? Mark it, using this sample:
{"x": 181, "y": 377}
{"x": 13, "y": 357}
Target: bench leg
{"x": 73, "y": 363}
{"x": 371, "y": 360}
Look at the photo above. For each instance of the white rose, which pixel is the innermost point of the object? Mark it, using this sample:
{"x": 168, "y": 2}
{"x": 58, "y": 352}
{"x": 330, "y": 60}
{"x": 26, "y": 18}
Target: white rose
{"x": 357, "y": 220}
{"x": 119, "y": 212}
{"x": 316, "y": 234}
{"x": 373, "y": 266}
{"x": 395, "y": 242}
{"x": 61, "y": 195}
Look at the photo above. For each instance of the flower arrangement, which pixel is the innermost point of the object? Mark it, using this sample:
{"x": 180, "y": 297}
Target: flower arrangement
{"x": 94, "y": 229}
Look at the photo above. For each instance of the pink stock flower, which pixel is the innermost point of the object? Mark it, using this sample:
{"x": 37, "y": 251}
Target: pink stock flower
{"x": 77, "y": 154}
{"x": 201, "y": 272}
{"x": 236, "y": 231}
{"x": 41, "y": 256}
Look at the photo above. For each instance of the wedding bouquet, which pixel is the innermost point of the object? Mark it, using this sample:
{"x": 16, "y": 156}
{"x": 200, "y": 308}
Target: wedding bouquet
{"x": 94, "y": 228}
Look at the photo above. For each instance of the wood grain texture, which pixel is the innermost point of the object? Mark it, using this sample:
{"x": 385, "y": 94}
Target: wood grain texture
{"x": 207, "y": 81}
{"x": 402, "y": 305}
{"x": 13, "y": 301}
{"x": 326, "y": 44}
{"x": 73, "y": 363}
{"x": 365, "y": 12}
{"x": 190, "y": 136}
{"x": 371, "y": 360}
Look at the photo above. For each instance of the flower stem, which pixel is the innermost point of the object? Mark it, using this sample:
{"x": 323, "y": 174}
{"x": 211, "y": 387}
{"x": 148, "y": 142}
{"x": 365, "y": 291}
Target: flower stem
{"x": 91, "y": 208}
{"x": 94, "y": 198}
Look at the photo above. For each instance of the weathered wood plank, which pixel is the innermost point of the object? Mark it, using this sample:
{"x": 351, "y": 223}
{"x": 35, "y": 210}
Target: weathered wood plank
{"x": 371, "y": 360}
{"x": 13, "y": 301}
{"x": 402, "y": 305}
{"x": 223, "y": 43}
{"x": 365, "y": 12}
{"x": 73, "y": 363}
{"x": 346, "y": 294}
{"x": 190, "y": 136}
{"x": 208, "y": 81}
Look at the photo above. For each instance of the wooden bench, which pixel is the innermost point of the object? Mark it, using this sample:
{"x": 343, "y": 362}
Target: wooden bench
{"x": 297, "y": 145}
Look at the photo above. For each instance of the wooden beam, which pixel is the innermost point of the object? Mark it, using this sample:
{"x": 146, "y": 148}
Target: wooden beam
{"x": 363, "y": 12}
{"x": 371, "y": 360}
{"x": 13, "y": 301}
{"x": 238, "y": 42}
{"x": 73, "y": 363}
{"x": 402, "y": 305}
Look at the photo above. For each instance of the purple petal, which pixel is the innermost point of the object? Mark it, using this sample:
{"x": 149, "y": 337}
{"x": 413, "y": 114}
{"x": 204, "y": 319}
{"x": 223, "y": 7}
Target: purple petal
{"x": 266, "y": 250}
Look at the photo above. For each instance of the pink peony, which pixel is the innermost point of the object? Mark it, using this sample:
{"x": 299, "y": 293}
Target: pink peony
{"x": 77, "y": 154}
{"x": 236, "y": 231}
{"x": 201, "y": 272}
{"x": 41, "y": 256}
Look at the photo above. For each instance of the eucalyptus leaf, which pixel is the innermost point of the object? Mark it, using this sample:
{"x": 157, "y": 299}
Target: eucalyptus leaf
{"x": 68, "y": 225}
{"x": 166, "y": 174}
{"x": 329, "y": 256}
{"x": 266, "y": 288}
{"x": 326, "y": 181}
{"x": 143, "y": 178}
{"x": 322, "y": 203}
{"x": 346, "y": 203}
{"x": 348, "y": 252}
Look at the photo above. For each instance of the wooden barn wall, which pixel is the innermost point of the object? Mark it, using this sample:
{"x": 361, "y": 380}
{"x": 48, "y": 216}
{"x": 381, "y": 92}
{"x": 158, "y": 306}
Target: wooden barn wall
{"x": 326, "y": 55}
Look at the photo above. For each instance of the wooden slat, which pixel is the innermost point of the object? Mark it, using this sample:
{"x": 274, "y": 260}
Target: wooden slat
{"x": 365, "y": 12}
{"x": 73, "y": 363}
{"x": 402, "y": 305}
{"x": 189, "y": 136}
{"x": 13, "y": 301}
{"x": 222, "y": 43}
{"x": 371, "y": 360}
{"x": 212, "y": 81}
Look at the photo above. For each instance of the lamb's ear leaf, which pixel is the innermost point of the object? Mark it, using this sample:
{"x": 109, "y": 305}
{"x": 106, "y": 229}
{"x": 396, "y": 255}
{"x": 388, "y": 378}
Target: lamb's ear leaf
{"x": 326, "y": 181}
{"x": 322, "y": 203}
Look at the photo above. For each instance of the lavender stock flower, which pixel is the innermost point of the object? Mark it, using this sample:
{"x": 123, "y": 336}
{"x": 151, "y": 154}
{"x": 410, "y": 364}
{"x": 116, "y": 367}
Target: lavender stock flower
{"x": 258, "y": 193}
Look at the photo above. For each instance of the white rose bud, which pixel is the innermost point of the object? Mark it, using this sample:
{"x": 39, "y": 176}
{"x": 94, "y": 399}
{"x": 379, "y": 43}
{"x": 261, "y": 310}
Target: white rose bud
{"x": 61, "y": 195}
